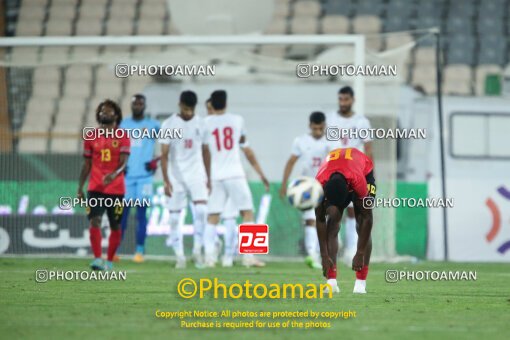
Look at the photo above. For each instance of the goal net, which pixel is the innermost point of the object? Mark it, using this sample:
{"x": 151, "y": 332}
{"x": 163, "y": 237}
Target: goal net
{"x": 53, "y": 86}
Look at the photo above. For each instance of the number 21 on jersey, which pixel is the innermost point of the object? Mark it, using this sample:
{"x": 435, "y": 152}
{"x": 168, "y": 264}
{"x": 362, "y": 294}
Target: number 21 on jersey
{"x": 337, "y": 153}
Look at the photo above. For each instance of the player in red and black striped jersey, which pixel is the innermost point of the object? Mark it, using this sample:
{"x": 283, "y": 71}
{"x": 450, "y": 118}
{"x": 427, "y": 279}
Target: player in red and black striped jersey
{"x": 346, "y": 176}
{"x": 105, "y": 158}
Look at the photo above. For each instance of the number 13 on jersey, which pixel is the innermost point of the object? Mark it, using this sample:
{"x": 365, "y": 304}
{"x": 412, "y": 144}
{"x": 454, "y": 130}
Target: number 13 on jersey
{"x": 337, "y": 153}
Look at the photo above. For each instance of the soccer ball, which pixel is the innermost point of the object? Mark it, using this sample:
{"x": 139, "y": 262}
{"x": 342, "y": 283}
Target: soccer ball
{"x": 305, "y": 193}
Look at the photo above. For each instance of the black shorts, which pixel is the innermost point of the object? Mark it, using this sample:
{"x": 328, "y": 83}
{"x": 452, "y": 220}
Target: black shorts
{"x": 99, "y": 203}
{"x": 351, "y": 197}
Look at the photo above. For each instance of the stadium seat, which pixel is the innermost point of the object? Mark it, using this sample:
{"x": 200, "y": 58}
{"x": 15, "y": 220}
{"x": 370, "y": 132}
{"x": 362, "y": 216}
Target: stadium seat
{"x": 457, "y": 80}
{"x": 425, "y": 56}
{"x": 301, "y": 52}
{"x": 366, "y": 24}
{"x": 59, "y": 27}
{"x": 148, "y": 26}
{"x": 79, "y": 73}
{"x": 24, "y": 54}
{"x": 45, "y": 89}
{"x": 34, "y": 12}
{"x": 398, "y": 40}
{"x": 492, "y": 9}
{"x": 33, "y": 145}
{"x": 276, "y": 51}
{"x": 40, "y": 107}
{"x": 281, "y": 9}
{"x": 84, "y": 53}
{"x": 459, "y": 25}
{"x": 89, "y": 26}
{"x": 481, "y": 72}
{"x": 116, "y": 26}
{"x": 136, "y": 85}
{"x": 62, "y": 11}
{"x": 65, "y": 145}
{"x": 490, "y": 25}
{"x": 335, "y": 24}
{"x": 122, "y": 11}
{"x": 77, "y": 89}
{"x": 48, "y": 73}
{"x": 155, "y": 10}
{"x": 462, "y": 9}
{"x": 430, "y": 8}
{"x": 304, "y": 25}
{"x": 71, "y": 110}
{"x": 335, "y": 7}
{"x": 109, "y": 89}
{"x": 277, "y": 26}
{"x": 423, "y": 22}
{"x": 395, "y": 23}
{"x": 30, "y": 28}
{"x": 54, "y": 54}
{"x": 461, "y": 49}
{"x": 92, "y": 11}
{"x": 425, "y": 76}
{"x": 369, "y": 7}
{"x": 400, "y": 8}
{"x": 307, "y": 8}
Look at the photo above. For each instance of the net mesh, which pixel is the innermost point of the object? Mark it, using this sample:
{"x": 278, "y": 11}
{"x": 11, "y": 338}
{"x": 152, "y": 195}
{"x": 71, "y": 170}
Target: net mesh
{"x": 52, "y": 92}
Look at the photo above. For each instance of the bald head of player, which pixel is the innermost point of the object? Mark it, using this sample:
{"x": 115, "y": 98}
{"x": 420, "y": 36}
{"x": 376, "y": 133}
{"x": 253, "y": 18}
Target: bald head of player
{"x": 345, "y": 100}
{"x": 219, "y": 101}
{"x": 317, "y": 124}
{"x": 187, "y": 103}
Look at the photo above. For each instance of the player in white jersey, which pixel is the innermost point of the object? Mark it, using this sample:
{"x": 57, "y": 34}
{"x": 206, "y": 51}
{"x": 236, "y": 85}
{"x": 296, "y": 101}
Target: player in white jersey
{"x": 345, "y": 118}
{"x": 310, "y": 149}
{"x": 227, "y": 137}
{"x": 228, "y": 216}
{"x": 185, "y": 165}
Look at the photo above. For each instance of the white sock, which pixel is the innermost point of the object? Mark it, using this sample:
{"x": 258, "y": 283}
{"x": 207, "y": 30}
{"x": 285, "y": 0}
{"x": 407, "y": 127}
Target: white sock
{"x": 230, "y": 236}
{"x": 175, "y": 237}
{"x": 248, "y": 256}
{"x": 209, "y": 239}
{"x": 199, "y": 223}
{"x": 351, "y": 236}
{"x": 332, "y": 282}
{"x": 311, "y": 240}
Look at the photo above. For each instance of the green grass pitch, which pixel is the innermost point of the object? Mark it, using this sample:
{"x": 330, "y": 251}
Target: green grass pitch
{"x": 126, "y": 310}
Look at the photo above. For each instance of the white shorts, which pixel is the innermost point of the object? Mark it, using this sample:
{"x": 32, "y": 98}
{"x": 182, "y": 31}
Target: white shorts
{"x": 236, "y": 190}
{"x": 197, "y": 191}
{"x": 230, "y": 210}
{"x": 309, "y": 214}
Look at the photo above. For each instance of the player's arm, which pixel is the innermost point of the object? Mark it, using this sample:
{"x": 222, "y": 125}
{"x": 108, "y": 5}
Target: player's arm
{"x": 152, "y": 165}
{"x": 368, "y": 150}
{"x": 123, "y": 159}
{"x": 286, "y": 174}
{"x": 165, "y": 151}
{"x": 206, "y": 155}
{"x": 84, "y": 173}
{"x": 250, "y": 155}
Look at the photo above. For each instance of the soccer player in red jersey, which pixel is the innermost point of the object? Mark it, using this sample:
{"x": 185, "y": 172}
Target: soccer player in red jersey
{"x": 346, "y": 176}
{"x": 105, "y": 158}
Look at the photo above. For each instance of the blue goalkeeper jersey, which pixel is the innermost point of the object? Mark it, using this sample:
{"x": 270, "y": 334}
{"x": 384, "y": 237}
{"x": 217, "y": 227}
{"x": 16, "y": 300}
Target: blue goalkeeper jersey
{"x": 142, "y": 149}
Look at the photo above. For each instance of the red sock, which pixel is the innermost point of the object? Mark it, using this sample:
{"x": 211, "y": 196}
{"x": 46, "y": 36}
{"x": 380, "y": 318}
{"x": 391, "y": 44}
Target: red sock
{"x": 95, "y": 241}
{"x": 332, "y": 272}
{"x": 362, "y": 274}
{"x": 113, "y": 243}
